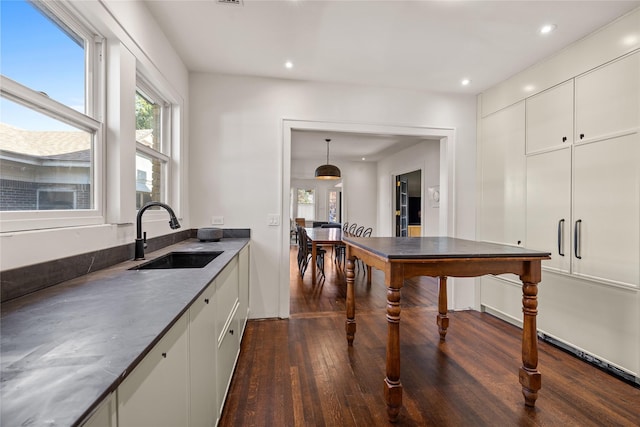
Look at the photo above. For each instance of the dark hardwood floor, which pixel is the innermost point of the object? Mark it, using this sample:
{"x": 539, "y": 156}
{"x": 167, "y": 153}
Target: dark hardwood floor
{"x": 300, "y": 371}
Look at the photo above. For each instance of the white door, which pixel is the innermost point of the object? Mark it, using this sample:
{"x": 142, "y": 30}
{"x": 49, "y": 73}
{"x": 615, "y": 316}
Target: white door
{"x": 502, "y": 207}
{"x": 606, "y": 218}
{"x": 549, "y": 206}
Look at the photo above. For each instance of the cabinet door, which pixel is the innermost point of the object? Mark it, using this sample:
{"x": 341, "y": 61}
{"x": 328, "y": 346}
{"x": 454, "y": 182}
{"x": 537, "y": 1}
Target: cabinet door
{"x": 228, "y": 350}
{"x": 226, "y": 297}
{"x": 549, "y": 206}
{"x": 608, "y": 99}
{"x": 606, "y": 206}
{"x": 243, "y": 287}
{"x": 202, "y": 360}
{"x": 550, "y": 118}
{"x": 156, "y": 392}
{"x": 105, "y": 415}
{"x": 502, "y": 163}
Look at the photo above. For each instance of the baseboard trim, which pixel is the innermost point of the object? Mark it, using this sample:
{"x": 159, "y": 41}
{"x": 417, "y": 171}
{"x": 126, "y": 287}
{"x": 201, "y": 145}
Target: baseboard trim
{"x": 605, "y": 366}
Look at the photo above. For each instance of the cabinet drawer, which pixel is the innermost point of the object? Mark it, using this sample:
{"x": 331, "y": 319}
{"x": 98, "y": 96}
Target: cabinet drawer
{"x": 228, "y": 350}
{"x": 226, "y": 296}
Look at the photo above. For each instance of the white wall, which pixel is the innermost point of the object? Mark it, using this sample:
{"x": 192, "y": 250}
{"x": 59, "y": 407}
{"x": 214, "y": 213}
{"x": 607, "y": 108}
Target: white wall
{"x": 236, "y": 155}
{"x": 359, "y": 189}
{"x": 424, "y": 156}
{"x": 133, "y": 39}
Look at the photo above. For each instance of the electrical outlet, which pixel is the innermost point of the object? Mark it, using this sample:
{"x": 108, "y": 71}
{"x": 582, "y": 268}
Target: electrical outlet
{"x": 273, "y": 219}
{"x": 217, "y": 220}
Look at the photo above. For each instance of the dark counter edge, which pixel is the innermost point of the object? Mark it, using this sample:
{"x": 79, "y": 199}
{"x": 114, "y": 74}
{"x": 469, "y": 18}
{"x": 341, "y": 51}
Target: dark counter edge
{"x": 516, "y": 251}
{"x": 22, "y": 281}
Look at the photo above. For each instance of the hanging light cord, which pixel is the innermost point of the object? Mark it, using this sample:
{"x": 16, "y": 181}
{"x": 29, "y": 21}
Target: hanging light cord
{"x": 328, "y": 141}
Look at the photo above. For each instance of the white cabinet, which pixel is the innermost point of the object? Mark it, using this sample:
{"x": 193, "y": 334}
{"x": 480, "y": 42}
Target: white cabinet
{"x": 606, "y": 210}
{"x": 217, "y": 319}
{"x": 549, "y": 206}
{"x": 105, "y": 415}
{"x": 227, "y": 295}
{"x": 243, "y": 283}
{"x": 502, "y": 205}
{"x": 202, "y": 360}
{"x": 550, "y": 118}
{"x": 608, "y": 99}
{"x": 583, "y": 198}
{"x": 184, "y": 379}
{"x": 156, "y": 393}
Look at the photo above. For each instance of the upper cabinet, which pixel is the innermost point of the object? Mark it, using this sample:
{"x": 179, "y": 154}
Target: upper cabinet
{"x": 550, "y": 118}
{"x": 608, "y": 99}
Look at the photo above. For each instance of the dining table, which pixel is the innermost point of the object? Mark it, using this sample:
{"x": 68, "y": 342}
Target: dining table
{"x": 400, "y": 258}
{"x": 321, "y": 236}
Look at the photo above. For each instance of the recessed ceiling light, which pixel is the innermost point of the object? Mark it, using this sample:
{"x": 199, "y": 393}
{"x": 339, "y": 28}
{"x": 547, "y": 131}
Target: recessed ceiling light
{"x": 529, "y": 88}
{"x": 364, "y": 158}
{"x": 546, "y": 29}
{"x": 288, "y": 64}
{"x": 630, "y": 40}
{"x": 465, "y": 82}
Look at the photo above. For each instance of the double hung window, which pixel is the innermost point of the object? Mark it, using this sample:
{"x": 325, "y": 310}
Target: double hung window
{"x": 153, "y": 145}
{"x": 306, "y": 203}
{"x": 50, "y": 118}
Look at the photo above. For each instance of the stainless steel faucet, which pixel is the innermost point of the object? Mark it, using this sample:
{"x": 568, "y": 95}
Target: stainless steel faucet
{"x": 141, "y": 242}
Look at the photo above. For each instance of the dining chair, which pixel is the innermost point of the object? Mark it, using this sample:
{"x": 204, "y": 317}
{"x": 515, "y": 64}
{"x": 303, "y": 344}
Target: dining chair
{"x": 352, "y": 228}
{"x": 305, "y": 253}
{"x": 293, "y": 230}
{"x": 359, "y": 231}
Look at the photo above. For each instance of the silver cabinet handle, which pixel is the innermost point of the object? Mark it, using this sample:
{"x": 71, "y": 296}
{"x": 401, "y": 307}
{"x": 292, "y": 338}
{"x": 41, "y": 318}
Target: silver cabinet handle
{"x": 561, "y": 237}
{"x": 576, "y": 238}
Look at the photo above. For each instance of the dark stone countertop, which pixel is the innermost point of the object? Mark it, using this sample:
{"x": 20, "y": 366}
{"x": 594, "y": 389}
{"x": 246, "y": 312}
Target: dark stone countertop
{"x": 65, "y": 348}
{"x": 438, "y": 247}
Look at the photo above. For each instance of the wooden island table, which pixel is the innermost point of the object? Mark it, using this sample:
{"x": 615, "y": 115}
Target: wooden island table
{"x": 404, "y": 257}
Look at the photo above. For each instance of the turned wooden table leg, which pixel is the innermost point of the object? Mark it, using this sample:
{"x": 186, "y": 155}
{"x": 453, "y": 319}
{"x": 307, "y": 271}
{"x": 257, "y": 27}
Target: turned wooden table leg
{"x": 350, "y": 325}
{"x": 393, "y": 387}
{"x": 314, "y": 254}
{"x": 530, "y": 378}
{"x": 442, "y": 319}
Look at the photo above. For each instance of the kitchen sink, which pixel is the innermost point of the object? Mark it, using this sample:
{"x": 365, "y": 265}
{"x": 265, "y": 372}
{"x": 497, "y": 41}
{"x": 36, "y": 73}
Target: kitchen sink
{"x": 179, "y": 260}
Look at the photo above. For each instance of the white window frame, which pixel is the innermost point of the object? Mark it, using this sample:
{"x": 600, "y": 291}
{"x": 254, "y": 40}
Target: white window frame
{"x": 314, "y": 204}
{"x": 166, "y": 137}
{"x": 90, "y": 122}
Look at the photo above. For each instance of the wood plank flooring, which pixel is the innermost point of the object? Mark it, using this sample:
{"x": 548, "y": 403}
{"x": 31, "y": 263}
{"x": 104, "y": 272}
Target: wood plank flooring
{"x": 300, "y": 371}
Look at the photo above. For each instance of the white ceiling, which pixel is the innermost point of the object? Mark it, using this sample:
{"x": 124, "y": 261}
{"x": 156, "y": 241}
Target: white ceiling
{"x": 419, "y": 45}
{"x": 347, "y": 146}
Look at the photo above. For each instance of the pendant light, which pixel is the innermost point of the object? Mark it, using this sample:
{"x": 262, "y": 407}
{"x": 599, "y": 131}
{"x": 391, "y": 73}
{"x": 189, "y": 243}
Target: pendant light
{"x": 327, "y": 171}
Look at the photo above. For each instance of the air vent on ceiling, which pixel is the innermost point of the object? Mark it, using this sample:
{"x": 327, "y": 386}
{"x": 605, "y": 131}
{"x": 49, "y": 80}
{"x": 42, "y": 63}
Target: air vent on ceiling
{"x": 235, "y": 2}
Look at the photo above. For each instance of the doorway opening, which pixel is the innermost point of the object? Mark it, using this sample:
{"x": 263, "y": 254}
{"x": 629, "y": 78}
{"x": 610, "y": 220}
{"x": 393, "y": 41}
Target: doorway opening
{"x": 408, "y": 211}
{"x": 384, "y": 206}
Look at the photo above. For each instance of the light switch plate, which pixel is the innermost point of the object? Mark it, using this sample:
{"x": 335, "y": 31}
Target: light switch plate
{"x": 273, "y": 219}
{"x": 217, "y": 220}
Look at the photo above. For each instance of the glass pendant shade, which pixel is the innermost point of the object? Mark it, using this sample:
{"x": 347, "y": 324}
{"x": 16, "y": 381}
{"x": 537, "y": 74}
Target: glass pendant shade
{"x": 327, "y": 171}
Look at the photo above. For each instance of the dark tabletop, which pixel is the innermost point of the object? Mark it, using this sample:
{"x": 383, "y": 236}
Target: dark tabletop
{"x": 438, "y": 247}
